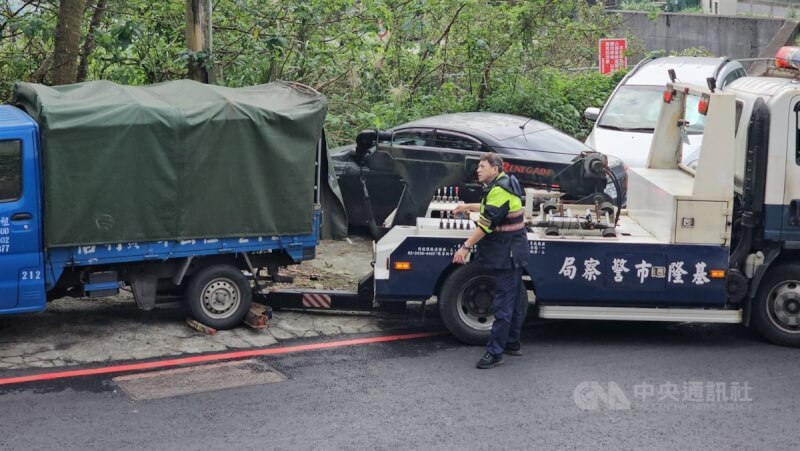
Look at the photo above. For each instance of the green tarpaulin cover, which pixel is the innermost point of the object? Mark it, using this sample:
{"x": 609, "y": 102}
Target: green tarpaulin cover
{"x": 176, "y": 160}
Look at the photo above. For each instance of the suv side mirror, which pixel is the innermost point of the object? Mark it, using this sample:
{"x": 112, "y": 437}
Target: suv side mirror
{"x": 591, "y": 113}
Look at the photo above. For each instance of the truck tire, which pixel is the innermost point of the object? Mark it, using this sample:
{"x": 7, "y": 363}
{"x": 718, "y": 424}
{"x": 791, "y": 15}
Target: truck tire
{"x": 465, "y": 304}
{"x": 219, "y": 296}
{"x": 776, "y": 307}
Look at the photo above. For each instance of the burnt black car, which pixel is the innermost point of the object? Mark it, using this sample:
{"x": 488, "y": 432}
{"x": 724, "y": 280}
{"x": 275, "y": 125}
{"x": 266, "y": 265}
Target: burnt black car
{"x": 545, "y": 150}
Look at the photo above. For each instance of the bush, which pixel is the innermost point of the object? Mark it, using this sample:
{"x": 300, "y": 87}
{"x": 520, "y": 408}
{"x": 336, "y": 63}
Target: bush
{"x": 555, "y": 97}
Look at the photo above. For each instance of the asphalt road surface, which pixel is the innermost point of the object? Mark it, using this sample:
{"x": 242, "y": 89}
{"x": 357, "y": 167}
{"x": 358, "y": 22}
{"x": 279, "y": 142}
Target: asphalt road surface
{"x": 580, "y": 385}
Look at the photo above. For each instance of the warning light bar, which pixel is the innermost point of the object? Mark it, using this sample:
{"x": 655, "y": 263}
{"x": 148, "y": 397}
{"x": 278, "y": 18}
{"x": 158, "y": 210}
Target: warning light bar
{"x": 402, "y": 266}
{"x": 669, "y": 94}
{"x": 788, "y": 58}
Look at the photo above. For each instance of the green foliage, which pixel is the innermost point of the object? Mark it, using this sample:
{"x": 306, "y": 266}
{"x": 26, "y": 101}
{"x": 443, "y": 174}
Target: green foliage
{"x": 380, "y": 62}
{"x": 641, "y": 5}
{"x": 655, "y": 7}
{"x": 691, "y": 51}
{"x": 557, "y": 98}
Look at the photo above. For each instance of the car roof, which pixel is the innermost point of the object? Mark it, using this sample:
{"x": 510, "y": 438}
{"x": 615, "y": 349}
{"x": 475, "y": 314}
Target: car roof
{"x": 495, "y": 125}
{"x": 768, "y": 86}
{"x": 689, "y": 69}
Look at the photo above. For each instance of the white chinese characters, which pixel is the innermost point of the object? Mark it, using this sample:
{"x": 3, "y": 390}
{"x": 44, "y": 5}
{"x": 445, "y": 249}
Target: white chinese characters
{"x": 618, "y": 267}
{"x": 437, "y": 251}
{"x": 644, "y": 270}
{"x": 5, "y": 238}
{"x": 693, "y": 392}
{"x": 676, "y": 272}
{"x": 590, "y": 271}
{"x": 699, "y": 277}
{"x": 568, "y": 269}
{"x": 689, "y": 394}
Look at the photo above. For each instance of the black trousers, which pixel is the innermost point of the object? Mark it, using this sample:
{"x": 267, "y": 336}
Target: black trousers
{"x": 509, "y": 302}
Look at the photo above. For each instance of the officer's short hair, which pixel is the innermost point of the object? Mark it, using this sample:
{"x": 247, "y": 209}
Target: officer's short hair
{"x": 493, "y": 159}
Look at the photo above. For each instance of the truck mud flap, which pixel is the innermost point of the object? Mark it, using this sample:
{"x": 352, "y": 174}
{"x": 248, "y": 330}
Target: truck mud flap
{"x": 316, "y": 300}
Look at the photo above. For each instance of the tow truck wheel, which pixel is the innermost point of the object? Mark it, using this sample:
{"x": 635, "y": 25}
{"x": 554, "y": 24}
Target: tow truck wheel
{"x": 776, "y": 308}
{"x": 465, "y": 304}
{"x": 219, "y": 296}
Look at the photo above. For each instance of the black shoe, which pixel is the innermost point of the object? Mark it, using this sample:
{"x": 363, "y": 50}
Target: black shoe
{"x": 514, "y": 349}
{"x": 489, "y": 360}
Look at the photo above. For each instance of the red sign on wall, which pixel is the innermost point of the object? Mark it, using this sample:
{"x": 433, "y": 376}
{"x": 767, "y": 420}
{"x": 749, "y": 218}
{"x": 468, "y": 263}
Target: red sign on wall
{"x": 612, "y": 55}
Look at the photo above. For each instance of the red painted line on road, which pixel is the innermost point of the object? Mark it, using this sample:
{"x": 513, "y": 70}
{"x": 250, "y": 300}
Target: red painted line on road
{"x": 210, "y": 358}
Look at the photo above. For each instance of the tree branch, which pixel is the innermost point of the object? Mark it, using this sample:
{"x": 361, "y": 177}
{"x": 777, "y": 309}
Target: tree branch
{"x": 41, "y": 72}
{"x": 426, "y": 53}
{"x": 88, "y": 43}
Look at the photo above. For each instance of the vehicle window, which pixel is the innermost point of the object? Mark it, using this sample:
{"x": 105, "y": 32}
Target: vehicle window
{"x": 456, "y": 141}
{"x": 636, "y": 108}
{"x": 797, "y": 135}
{"x": 10, "y": 170}
{"x": 738, "y": 73}
{"x": 548, "y": 140}
{"x": 697, "y": 122}
{"x": 413, "y": 137}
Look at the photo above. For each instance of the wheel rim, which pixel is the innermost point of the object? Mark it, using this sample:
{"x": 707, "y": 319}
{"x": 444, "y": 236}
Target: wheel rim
{"x": 783, "y": 306}
{"x": 474, "y": 303}
{"x": 221, "y": 297}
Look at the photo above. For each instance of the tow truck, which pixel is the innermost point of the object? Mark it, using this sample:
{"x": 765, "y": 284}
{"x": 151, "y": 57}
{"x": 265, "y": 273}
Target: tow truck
{"x": 719, "y": 243}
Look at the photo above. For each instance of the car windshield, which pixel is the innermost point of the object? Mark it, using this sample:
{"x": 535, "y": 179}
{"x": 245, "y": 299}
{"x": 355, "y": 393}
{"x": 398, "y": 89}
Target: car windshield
{"x": 636, "y": 108}
{"x": 548, "y": 140}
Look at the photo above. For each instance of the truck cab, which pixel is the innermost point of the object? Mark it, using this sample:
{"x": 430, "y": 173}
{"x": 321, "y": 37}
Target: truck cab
{"x": 22, "y": 275}
{"x": 770, "y": 106}
{"x": 767, "y": 221}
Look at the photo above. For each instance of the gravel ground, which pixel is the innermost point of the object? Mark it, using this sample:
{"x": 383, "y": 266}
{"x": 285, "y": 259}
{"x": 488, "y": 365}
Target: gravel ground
{"x": 80, "y": 331}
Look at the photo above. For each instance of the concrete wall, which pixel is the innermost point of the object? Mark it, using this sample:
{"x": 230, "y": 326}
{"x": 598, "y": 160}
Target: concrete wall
{"x": 732, "y": 36}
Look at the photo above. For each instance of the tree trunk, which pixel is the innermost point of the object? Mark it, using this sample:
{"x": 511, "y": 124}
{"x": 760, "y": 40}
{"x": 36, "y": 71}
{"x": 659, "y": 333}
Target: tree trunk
{"x": 68, "y": 41}
{"x": 196, "y": 24}
{"x": 88, "y": 43}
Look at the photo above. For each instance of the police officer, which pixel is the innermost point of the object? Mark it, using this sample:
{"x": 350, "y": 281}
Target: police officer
{"x": 503, "y": 250}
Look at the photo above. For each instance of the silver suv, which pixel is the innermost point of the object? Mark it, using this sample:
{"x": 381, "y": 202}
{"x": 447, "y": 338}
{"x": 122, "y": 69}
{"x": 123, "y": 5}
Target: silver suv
{"x": 624, "y": 127}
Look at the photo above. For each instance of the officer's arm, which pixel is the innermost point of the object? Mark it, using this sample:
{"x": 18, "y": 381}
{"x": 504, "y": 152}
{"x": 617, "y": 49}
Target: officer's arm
{"x": 461, "y": 253}
{"x": 463, "y": 208}
{"x": 473, "y": 239}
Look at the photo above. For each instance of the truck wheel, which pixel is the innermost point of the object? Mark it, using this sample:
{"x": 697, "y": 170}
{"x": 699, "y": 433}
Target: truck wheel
{"x": 776, "y": 308}
{"x": 219, "y": 296}
{"x": 465, "y": 304}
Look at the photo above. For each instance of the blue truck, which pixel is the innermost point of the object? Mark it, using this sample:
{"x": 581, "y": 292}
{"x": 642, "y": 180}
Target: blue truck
{"x": 76, "y": 174}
